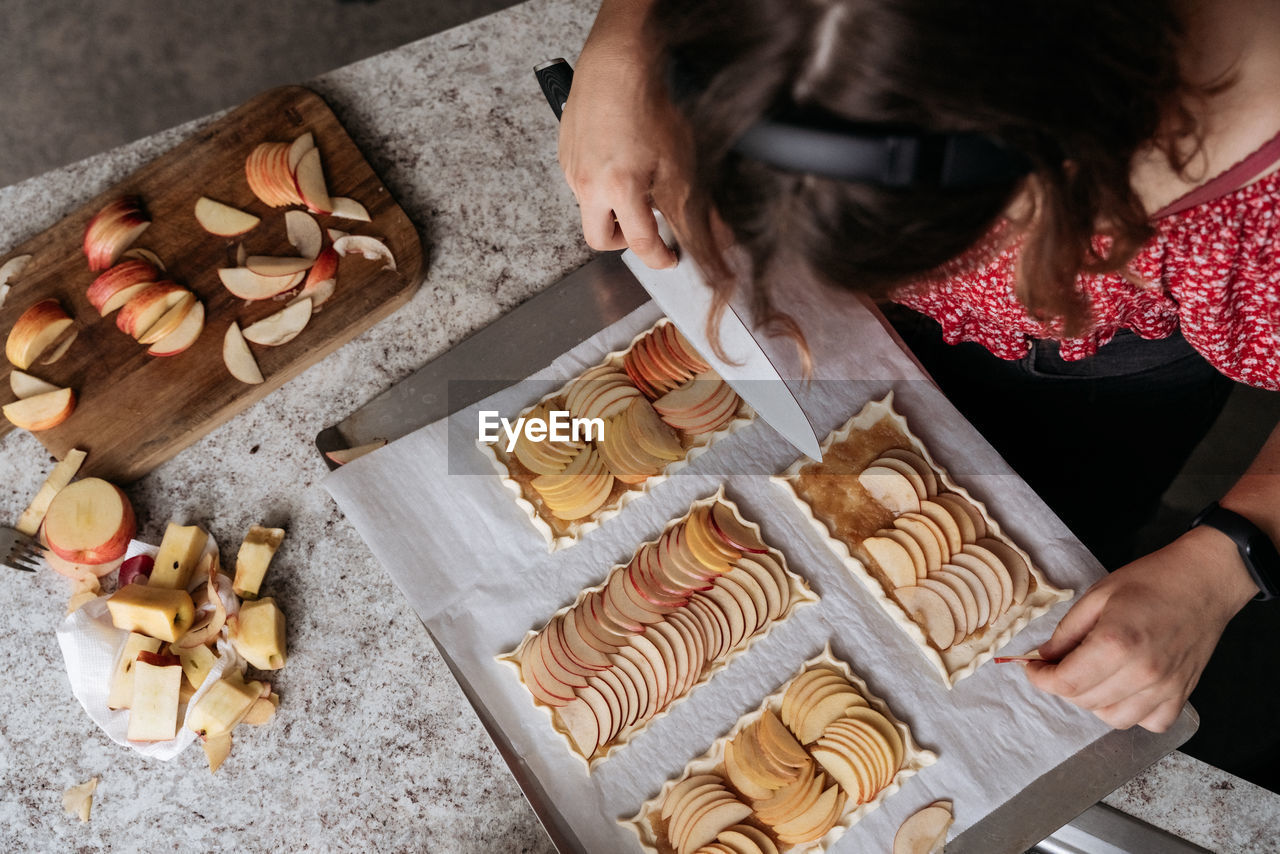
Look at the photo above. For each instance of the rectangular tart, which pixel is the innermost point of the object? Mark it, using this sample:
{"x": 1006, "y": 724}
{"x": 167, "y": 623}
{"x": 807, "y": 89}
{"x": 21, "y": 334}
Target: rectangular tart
{"x": 817, "y": 755}
{"x": 929, "y": 553}
{"x": 685, "y": 605}
{"x": 661, "y": 405}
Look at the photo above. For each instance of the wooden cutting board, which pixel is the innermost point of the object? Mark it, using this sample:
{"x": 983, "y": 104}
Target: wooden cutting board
{"x": 135, "y": 411}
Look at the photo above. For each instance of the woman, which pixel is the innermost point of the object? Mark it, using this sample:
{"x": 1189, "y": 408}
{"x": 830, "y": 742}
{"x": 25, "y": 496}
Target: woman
{"x": 1107, "y": 284}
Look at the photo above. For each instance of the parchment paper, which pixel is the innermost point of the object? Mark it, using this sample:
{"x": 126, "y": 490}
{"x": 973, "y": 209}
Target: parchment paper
{"x": 479, "y": 575}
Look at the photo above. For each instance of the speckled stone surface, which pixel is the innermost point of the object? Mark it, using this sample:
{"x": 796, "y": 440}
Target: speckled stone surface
{"x": 374, "y": 748}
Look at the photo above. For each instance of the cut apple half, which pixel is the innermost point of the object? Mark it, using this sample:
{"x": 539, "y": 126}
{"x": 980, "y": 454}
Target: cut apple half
{"x": 90, "y": 521}
{"x": 367, "y": 247}
{"x": 281, "y": 327}
{"x": 183, "y": 336}
{"x": 223, "y": 220}
{"x": 41, "y": 411}
{"x": 304, "y": 233}
{"x": 309, "y": 176}
{"x": 246, "y": 284}
{"x": 112, "y": 230}
{"x": 24, "y": 385}
{"x": 238, "y": 359}
{"x": 348, "y": 209}
{"x": 35, "y": 331}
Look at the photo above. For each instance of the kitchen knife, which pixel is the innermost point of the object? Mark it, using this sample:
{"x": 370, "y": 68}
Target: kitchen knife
{"x": 684, "y": 296}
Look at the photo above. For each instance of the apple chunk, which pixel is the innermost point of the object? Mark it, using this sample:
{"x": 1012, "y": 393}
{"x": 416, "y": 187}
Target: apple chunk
{"x": 238, "y": 359}
{"x": 223, "y": 220}
{"x": 89, "y": 521}
{"x": 41, "y": 411}
{"x": 157, "y": 684}
{"x": 35, "y": 331}
{"x": 158, "y": 612}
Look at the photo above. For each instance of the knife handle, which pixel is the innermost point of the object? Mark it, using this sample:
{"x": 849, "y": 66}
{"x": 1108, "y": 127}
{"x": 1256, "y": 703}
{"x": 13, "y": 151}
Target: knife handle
{"x": 555, "y": 77}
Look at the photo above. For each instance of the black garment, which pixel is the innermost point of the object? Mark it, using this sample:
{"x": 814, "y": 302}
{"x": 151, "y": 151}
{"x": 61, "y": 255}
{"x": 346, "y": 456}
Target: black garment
{"x": 1101, "y": 440}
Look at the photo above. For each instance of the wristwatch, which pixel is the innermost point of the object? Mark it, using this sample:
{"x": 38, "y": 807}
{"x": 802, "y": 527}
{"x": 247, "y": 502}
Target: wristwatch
{"x": 1256, "y": 549}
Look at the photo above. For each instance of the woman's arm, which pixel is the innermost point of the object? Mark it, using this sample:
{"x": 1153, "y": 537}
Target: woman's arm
{"x": 1132, "y": 648}
{"x": 612, "y": 139}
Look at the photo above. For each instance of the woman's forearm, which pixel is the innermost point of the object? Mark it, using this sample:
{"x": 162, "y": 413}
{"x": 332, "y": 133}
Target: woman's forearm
{"x": 620, "y": 26}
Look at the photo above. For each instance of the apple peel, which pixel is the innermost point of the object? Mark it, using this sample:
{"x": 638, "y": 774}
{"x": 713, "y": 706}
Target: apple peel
{"x": 365, "y": 246}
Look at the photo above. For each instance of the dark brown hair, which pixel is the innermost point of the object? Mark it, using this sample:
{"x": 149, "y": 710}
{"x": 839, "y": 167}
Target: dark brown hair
{"x": 1077, "y": 87}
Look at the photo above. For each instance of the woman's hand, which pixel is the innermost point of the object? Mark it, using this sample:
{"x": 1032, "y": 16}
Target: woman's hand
{"x": 1132, "y": 648}
{"x": 615, "y": 135}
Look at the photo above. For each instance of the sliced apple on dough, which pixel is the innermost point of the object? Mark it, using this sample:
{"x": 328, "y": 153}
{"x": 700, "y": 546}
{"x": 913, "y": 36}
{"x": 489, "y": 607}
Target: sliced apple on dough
{"x": 968, "y": 603}
{"x": 954, "y": 604}
{"x": 911, "y": 544}
{"x": 989, "y": 579}
{"x": 238, "y": 359}
{"x": 1014, "y": 563}
{"x": 921, "y": 466}
{"x": 41, "y": 411}
{"x": 890, "y": 489}
{"x": 981, "y": 598}
{"x": 968, "y": 517}
{"x": 945, "y": 522}
{"x": 894, "y": 560}
{"x": 910, "y": 524}
{"x": 223, "y": 220}
{"x": 906, "y": 470}
{"x": 930, "y": 611}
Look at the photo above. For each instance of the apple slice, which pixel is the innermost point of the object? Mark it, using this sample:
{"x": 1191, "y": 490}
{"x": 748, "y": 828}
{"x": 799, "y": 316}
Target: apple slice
{"x": 169, "y": 321}
{"x": 223, "y": 220}
{"x": 934, "y": 557}
{"x": 277, "y": 266}
{"x": 348, "y": 209}
{"x": 928, "y": 609}
{"x": 890, "y": 489}
{"x": 9, "y": 270}
{"x": 981, "y": 598}
{"x": 989, "y": 579}
{"x": 367, "y": 247}
{"x": 735, "y": 533}
{"x": 281, "y": 327}
{"x": 968, "y": 602}
{"x": 246, "y": 284}
{"x": 150, "y": 304}
{"x": 975, "y": 528}
{"x": 238, "y": 359}
{"x": 911, "y": 544}
{"x": 342, "y": 456}
{"x": 945, "y": 522}
{"x": 921, "y": 466}
{"x": 737, "y": 578}
{"x": 31, "y": 518}
{"x": 764, "y": 581}
{"x": 1014, "y": 563}
{"x": 1003, "y": 574}
{"x": 183, "y": 336}
{"x": 894, "y": 560}
{"x": 906, "y": 470}
{"x": 139, "y": 253}
{"x": 309, "y": 176}
{"x": 925, "y": 831}
{"x": 304, "y": 233}
{"x": 41, "y": 411}
{"x": 299, "y": 147}
{"x": 35, "y": 331}
{"x": 90, "y": 521}
{"x": 954, "y": 603}
{"x": 24, "y": 385}
{"x": 112, "y": 229}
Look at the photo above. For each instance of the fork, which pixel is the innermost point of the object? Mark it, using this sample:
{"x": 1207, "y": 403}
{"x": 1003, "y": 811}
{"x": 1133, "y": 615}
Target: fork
{"x": 18, "y": 551}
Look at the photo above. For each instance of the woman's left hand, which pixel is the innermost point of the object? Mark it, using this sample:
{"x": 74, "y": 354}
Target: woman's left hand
{"x": 1132, "y": 648}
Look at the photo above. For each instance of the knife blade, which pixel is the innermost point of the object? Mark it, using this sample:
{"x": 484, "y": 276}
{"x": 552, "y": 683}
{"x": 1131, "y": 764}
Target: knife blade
{"x": 687, "y": 300}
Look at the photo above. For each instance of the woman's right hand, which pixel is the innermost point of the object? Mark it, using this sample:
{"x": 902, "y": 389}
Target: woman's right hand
{"x": 615, "y": 136}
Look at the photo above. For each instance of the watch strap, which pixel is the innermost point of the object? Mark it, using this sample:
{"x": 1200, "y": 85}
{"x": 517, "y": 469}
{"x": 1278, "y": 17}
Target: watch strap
{"x": 1258, "y": 552}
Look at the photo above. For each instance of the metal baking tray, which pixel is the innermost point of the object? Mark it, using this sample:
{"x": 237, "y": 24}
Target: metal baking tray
{"x": 532, "y": 336}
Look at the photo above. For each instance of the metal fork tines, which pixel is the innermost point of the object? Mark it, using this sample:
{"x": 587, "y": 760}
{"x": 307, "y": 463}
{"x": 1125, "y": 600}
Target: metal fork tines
{"x": 18, "y": 551}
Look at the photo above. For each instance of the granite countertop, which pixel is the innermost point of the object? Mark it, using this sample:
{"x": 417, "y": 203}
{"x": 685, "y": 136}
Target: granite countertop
{"x": 374, "y": 747}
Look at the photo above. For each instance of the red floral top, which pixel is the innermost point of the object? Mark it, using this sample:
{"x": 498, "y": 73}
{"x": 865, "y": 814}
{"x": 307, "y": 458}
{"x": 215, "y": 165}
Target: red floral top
{"x": 1213, "y": 269}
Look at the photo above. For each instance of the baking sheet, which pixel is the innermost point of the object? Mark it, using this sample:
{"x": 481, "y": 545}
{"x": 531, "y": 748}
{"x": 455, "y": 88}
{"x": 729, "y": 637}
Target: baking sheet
{"x": 480, "y": 577}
